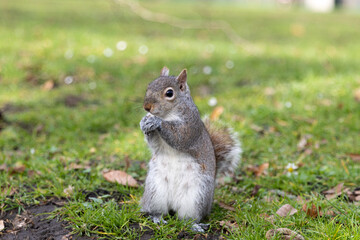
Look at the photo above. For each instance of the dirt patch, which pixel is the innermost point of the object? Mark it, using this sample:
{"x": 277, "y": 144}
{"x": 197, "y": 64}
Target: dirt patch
{"x": 33, "y": 223}
{"x": 73, "y": 100}
{"x": 13, "y": 108}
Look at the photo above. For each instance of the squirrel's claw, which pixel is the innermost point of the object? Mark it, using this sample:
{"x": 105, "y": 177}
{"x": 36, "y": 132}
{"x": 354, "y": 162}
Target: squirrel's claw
{"x": 158, "y": 219}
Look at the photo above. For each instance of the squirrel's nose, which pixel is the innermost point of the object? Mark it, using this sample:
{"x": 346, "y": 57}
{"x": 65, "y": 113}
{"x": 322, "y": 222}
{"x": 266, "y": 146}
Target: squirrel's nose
{"x": 147, "y": 107}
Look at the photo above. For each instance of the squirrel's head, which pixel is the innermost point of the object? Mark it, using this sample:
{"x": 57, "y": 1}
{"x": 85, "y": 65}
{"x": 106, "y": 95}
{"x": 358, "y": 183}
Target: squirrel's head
{"x": 165, "y": 93}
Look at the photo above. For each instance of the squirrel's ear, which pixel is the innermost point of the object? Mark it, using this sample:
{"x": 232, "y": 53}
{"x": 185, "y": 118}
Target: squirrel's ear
{"x": 182, "y": 79}
{"x": 164, "y": 72}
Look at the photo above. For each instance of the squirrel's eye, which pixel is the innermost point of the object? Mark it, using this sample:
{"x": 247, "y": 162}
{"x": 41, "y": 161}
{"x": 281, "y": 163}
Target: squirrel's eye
{"x": 169, "y": 93}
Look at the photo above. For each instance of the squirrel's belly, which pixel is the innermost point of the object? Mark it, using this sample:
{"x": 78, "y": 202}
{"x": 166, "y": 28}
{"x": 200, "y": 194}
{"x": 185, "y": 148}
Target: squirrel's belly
{"x": 180, "y": 175}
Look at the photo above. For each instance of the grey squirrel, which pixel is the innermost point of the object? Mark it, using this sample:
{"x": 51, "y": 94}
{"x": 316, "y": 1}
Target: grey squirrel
{"x": 187, "y": 154}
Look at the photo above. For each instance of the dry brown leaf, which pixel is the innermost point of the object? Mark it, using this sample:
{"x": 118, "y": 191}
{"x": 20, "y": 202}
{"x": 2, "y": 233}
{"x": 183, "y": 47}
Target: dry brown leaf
{"x": 21, "y": 221}
{"x": 334, "y": 192}
{"x": 226, "y": 206}
{"x": 286, "y": 210}
{"x": 283, "y": 233}
{"x": 354, "y": 156}
{"x": 18, "y": 168}
{"x": 3, "y": 167}
{"x": 2, "y": 225}
{"x": 312, "y": 211}
{"x": 120, "y": 177}
{"x": 48, "y": 85}
{"x": 258, "y": 170}
{"x": 216, "y": 113}
{"x": 261, "y": 169}
{"x": 230, "y": 225}
{"x": 75, "y": 166}
{"x": 66, "y": 237}
{"x": 357, "y": 94}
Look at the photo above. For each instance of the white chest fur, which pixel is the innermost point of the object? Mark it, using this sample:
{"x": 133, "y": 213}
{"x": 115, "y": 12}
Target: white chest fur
{"x": 177, "y": 180}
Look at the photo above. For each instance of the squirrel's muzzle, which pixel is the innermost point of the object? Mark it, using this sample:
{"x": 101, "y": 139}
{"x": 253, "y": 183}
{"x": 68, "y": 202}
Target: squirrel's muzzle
{"x": 147, "y": 107}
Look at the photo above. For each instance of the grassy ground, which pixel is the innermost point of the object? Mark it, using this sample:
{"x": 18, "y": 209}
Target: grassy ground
{"x": 297, "y": 85}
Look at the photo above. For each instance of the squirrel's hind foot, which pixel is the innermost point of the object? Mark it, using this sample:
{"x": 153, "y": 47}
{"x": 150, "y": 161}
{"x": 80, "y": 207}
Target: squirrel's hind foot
{"x": 200, "y": 227}
{"x": 158, "y": 219}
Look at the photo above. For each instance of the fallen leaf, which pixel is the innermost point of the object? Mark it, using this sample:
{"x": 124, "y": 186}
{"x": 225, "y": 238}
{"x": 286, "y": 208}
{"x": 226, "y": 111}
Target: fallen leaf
{"x": 283, "y": 233}
{"x": 48, "y": 85}
{"x": 226, "y": 206}
{"x": 354, "y": 156}
{"x": 333, "y": 192}
{"x": 261, "y": 169}
{"x": 3, "y": 167}
{"x": 92, "y": 150}
{"x": 76, "y": 166}
{"x": 357, "y": 94}
{"x": 216, "y": 113}
{"x": 120, "y": 177}
{"x": 66, "y": 237}
{"x": 21, "y": 221}
{"x": 2, "y": 225}
{"x": 18, "y": 168}
{"x": 286, "y": 210}
{"x": 312, "y": 211}
{"x": 69, "y": 191}
{"x": 230, "y": 225}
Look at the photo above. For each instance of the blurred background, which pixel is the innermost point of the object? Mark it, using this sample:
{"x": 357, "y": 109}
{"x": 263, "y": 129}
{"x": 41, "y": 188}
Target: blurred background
{"x": 73, "y": 75}
{"x": 284, "y": 74}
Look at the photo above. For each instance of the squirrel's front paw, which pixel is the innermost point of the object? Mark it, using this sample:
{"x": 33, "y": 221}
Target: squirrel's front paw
{"x": 149, "y": 123}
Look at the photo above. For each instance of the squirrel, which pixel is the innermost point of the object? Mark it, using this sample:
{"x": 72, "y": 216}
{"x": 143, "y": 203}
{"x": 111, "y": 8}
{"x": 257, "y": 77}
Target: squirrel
{"x": 187, "y": 154}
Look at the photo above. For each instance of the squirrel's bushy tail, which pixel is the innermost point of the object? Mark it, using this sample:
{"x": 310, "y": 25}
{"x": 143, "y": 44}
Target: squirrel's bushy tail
{"x": 227, "y": 148}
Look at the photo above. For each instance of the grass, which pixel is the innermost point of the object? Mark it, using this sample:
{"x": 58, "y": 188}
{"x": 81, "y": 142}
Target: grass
{"x": 298, "y": 83}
